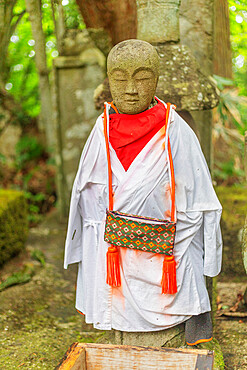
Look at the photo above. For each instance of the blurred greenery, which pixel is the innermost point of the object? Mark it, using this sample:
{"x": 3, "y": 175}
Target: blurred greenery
{"x": 238, "y": 30}
{"x": 229, "y": 127}
{"x": 225, "y": 172}
{"x": 27, "y": 149}
{"x": 232, "y": 105}
{"x": 22, "y": 81}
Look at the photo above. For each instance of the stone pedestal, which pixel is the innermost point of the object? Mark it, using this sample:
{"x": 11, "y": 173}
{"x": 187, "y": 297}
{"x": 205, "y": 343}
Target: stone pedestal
{"x": 173, "y": 337}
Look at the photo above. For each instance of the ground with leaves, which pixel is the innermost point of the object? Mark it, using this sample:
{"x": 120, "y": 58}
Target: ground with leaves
{"x": 38, "y": 321}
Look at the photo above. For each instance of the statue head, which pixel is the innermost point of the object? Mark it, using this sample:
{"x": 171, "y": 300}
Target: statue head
{"x": 133, "y": 72}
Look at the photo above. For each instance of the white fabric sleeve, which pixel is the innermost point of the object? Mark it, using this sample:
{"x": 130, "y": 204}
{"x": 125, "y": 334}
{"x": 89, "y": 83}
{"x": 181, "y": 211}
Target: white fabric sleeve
{"x": 212, "y": 243}
{"x": 73, "y": 244}
{"x": 73, "y": 251}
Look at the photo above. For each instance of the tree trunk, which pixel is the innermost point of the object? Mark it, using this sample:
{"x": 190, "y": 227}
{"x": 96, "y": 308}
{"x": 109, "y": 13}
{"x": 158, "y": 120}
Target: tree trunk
{"x": 222, "y": 46}
{"x": 118, "y": 18}
{"x": 35, "y": 16}
{"x": 58, "y": 20}
{"x": 6, "y": 15}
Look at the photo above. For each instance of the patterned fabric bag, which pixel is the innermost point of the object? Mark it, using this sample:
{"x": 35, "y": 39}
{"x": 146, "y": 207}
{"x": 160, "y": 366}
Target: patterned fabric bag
{"x": 138, "y": 232}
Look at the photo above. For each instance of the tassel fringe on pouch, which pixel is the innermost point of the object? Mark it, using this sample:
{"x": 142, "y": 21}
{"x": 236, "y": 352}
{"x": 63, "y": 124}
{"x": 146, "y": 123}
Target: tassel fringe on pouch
{"x": 169, "y": 281}
{"x": 113, "y": 277}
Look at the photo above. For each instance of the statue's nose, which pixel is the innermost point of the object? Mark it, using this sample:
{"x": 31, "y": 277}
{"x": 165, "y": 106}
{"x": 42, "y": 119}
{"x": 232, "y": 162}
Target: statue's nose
{"x": 131, "y": 88}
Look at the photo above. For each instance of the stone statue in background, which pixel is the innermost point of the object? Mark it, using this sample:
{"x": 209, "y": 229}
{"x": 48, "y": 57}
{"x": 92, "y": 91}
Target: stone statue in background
{"x": 131, "y": 141}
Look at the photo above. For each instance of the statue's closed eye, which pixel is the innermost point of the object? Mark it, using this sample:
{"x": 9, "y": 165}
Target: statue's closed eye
{"x": 142, "y": 78}
{"x": 120, "y": 79}
{"x": 119, "y": 75}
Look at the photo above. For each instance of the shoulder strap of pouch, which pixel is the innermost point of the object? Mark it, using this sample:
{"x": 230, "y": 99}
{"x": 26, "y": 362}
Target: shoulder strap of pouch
{"x": 169, "y": 158}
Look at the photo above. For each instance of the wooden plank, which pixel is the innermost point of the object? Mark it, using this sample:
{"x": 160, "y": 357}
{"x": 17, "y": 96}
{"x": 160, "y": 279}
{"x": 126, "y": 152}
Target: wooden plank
{"x": 92, "y": 356}
{"x": 74, "y": 358}
{"x": 144, "y": 348}
{"x": 148, "y": 358}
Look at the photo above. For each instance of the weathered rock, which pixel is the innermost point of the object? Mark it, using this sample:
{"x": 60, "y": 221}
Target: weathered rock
{"x": 181, "y": 80}
{"x": 75, "y": 42}
{"x": 101, "y": 39}
{"x": 163, "y": 21}
{"x": 196, "y": 31}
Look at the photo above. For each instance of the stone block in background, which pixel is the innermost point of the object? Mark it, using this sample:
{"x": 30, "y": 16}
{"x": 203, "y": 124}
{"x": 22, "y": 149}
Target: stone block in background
{"x": 75, "y": 79}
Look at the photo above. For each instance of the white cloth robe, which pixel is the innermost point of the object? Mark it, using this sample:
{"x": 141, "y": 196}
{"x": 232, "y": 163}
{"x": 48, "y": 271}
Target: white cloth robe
{"x": 138, "y": 304}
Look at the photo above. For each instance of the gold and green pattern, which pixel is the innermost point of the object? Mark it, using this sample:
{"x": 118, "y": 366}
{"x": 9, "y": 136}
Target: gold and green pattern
{"x": 141, "y": 233}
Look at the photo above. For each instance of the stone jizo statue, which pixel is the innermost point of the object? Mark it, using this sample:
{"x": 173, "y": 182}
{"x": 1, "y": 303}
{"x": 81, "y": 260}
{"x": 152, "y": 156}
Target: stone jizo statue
{"x": 142, "y": 159}
{"x": 133, "y": 71}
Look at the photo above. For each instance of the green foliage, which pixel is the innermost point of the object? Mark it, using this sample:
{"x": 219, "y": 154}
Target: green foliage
{"x": 34, "y": 206}
{"x": 226, "y": 170}
{"x": 73, "y": 18}
{"x": 22, "y": 80}
{"x": 28, "y": 148}
{"x": 20, "y": 277}
{"x": 2, "y": 158}
{"x": 39, "y": 256}
{"x": 13, "y": 223}
{"x": 231, "y": 105}
{"x": 31, "y": 172}
{"x": 230, "y": 125}
{"x": 238, "y": 30}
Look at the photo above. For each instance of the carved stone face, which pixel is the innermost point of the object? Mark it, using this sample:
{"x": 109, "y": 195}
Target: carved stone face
{"x": 133, "y": 71}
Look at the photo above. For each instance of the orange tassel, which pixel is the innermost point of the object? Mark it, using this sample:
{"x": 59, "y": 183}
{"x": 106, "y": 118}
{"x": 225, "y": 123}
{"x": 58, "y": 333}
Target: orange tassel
{"x": 113, "y": 277}
{"x": 169, "y": 281}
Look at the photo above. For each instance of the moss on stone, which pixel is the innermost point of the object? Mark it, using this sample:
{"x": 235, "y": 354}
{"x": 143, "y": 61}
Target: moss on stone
{"x": 214, "y": 345}
{"x": 13, "y": 223}
{"x": 181, "y": 80}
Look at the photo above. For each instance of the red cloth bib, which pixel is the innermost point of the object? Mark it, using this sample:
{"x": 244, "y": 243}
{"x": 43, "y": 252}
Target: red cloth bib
{"x": 128, "y": 134}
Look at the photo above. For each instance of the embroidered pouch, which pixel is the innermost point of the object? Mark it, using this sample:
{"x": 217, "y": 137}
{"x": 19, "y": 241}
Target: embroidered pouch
{"x": 141, "y": 233}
